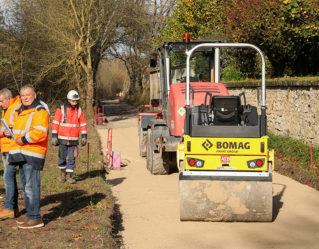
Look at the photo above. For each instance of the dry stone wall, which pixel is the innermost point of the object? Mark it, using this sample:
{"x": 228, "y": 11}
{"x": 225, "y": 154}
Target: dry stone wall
{"x": 292, "y": 107}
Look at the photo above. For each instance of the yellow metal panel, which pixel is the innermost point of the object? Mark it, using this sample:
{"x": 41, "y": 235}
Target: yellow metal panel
{"x": 180, "y": 154}
{"x": 225, "y": 146}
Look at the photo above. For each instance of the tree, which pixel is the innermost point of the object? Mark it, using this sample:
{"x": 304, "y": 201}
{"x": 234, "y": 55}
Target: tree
{"x": 111, "y": 79}
{"x": 287, "y": 30}
{"x": 141, "y": 28}
{"x": 64, "y": 41}
{"x": 201, "y": 18}
{"x": 11, "y": 57}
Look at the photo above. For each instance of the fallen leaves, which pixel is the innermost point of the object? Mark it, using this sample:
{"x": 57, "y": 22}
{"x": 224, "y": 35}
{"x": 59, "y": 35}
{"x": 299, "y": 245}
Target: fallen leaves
{"x": 68, "y": 187}
{"x": 76, "y": 236}
{"x": 86, "y": 209}
{"x": 84, "y": 227}
{"x": 95, "y": 228}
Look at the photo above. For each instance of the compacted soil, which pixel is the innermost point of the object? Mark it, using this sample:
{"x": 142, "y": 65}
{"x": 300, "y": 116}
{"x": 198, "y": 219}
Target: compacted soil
{"x": 148, "y": 207}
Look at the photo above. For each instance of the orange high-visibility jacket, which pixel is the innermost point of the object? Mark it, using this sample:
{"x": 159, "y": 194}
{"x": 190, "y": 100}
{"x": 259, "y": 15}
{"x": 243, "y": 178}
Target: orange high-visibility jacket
{"x": 32, "y": 125}
{"x": 8, "y": 116}
{"x": 67, "y": 124}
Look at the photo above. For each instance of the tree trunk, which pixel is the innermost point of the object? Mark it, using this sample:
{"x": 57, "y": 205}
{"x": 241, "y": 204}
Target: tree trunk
{"x": 90, "y": 82}
{"x": 90, "y": 93}
{"x": 132, "y": 84}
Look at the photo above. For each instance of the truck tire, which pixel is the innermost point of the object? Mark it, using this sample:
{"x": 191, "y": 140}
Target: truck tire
{"x": 160, "y": 164}
{"x": 149, "y": 155}
{"x": 142, "y": 141}
{"x": 157, "y": 162}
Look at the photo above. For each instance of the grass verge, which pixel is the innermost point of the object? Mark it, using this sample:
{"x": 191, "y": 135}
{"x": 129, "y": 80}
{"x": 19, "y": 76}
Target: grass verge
{"x": 75, "y": 216}
{"x": 292, "y": 79}
{"x": 293, "y": 159}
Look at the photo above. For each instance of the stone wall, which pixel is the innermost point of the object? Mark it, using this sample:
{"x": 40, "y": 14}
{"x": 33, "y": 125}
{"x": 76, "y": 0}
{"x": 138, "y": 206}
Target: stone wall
{"x": 293, "y": 107}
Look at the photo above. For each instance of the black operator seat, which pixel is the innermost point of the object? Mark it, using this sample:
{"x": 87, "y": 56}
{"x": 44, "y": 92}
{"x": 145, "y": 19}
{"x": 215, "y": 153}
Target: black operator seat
{"x": 226, "y": 110}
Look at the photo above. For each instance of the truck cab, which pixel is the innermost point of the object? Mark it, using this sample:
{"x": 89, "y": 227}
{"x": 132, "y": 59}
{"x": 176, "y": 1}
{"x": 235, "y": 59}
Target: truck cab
{"x": 160, "y": 131}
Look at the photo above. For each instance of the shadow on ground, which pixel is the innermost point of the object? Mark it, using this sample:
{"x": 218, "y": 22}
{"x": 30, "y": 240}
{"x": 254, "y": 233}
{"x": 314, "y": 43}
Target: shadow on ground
{"x": 69, "y": 202}
{"x": 277, "y": 203}
{"x": 117, "y": 225}
{"x": 90, "y": 174}
{"x": 116, "y": 181}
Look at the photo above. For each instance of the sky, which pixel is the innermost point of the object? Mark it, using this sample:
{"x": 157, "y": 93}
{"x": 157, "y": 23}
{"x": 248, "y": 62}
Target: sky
{"x": 5, "y": 6}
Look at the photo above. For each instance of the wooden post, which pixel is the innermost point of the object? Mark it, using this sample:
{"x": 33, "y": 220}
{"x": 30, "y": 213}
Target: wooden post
{"x": 88, "y": 161}
{"x": 311, "y": 161}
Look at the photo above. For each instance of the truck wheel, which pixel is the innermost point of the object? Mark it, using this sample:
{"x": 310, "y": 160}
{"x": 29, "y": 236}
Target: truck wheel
{"x": 159, "y": 162}
{"x": 148, "y": 150}
{"x": 142, "y": 141}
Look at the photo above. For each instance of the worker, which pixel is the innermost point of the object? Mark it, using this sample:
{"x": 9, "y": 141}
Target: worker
{"x": 28, "y": 150}
{"x": 8, "y": 105}
{"x": 69, "y": 120}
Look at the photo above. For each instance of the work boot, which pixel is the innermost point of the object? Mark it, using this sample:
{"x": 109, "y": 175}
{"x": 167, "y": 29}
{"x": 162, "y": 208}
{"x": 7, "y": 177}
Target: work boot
{"x": 63, "y": 175}
{"x": 7, "y": 214}
{"x": 22, "y": 219}
{"x": 28, "y": 224}
{"x": 70, "y": 178}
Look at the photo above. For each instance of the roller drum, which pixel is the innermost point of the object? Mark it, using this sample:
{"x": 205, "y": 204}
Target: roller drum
{"x": 225, "y": 200}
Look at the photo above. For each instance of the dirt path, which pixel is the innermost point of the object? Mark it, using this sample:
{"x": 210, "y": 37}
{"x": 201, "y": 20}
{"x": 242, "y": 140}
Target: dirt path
{"x": 150, "y": 209}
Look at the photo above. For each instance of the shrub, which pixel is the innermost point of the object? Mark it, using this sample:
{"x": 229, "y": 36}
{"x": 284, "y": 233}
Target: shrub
{"x": 230, "y": 73}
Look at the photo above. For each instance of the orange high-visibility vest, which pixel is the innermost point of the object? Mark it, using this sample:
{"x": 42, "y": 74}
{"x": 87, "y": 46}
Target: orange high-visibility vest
{"x": 67, "y": 124}
{"x": 32, "y": 125}
{"x": 8, "y": 116}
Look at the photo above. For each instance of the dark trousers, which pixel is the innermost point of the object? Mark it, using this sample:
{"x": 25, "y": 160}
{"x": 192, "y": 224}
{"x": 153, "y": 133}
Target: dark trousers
{"x": 10, "y": 182}
{"x": 70, "y": 152}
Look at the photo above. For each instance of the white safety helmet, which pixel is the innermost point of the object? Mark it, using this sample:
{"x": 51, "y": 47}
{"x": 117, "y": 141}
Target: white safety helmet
{"x": 73, "y": 95}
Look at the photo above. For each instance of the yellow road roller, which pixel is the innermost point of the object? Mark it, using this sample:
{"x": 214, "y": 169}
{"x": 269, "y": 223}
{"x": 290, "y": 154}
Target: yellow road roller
{"x": 225, "y": 165}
